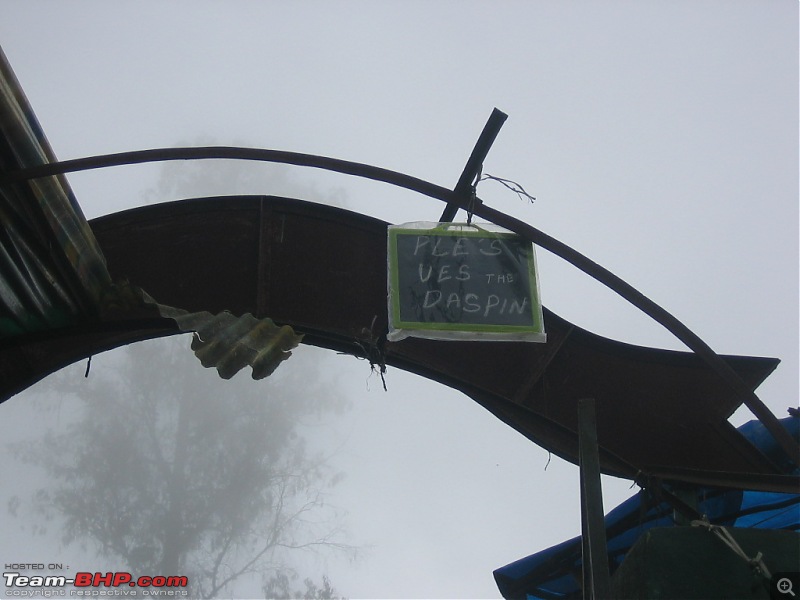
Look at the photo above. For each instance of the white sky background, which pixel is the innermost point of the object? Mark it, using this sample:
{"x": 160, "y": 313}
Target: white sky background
{"x": 659, "y": 138}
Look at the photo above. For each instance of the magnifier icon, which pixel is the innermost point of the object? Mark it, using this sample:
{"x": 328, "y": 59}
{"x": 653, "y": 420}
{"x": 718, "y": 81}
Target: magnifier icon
{"x": 784, "y": 586}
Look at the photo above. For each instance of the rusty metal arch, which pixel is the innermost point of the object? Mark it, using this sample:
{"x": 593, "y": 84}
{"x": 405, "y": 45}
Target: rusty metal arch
{"x": 244, "y": 254}
{"x": 459, "y": 197}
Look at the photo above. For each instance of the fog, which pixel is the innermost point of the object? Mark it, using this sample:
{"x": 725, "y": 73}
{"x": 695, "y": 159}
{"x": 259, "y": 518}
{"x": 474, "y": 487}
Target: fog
{"x": 659, "y": 138}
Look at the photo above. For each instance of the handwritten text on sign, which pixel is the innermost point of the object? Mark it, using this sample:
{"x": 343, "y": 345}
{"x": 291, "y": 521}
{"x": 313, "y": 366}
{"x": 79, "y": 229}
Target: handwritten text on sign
{"x": 457, "y": 279}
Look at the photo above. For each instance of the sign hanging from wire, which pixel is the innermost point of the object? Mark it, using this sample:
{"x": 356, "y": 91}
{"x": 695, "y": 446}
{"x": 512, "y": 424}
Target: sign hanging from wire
{"x": 462, "y": 281}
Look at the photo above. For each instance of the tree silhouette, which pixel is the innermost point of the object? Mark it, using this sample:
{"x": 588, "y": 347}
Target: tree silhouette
{"x": 279, "y": 587}
{"x": 172, "y": 471}
{"x": 169, "y": 470}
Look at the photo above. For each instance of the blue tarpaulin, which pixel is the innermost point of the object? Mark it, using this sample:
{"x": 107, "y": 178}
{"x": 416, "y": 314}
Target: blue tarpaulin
{"x": 556, "y": 571}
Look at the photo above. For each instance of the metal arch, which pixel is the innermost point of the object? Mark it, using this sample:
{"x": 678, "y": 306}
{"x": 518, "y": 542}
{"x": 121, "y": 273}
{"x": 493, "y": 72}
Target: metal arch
{"x": 232, "y": 152}
{"x": 244, "y": 254}
{"x": 452, "y": 198}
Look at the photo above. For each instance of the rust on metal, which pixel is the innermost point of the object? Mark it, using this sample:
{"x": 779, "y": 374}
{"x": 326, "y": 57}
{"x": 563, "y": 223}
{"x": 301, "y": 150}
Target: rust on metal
{"x": 736, "y": 385}
{"x": 659, "y": 413}
{"x": 656, "y": 410}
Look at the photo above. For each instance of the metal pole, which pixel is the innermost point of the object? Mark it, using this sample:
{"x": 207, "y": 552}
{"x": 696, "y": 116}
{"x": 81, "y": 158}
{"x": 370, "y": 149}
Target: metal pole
{"x": 474, "y": 164}
{"x": 596, "y": 579}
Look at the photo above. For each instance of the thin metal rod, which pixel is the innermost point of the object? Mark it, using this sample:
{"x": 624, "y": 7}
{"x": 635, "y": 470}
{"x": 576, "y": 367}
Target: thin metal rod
{"x": 474, "y": 163}
{"x": 572, "y": 256}
{"x": 231, "y": 152}
{"x": 596, "y": 579}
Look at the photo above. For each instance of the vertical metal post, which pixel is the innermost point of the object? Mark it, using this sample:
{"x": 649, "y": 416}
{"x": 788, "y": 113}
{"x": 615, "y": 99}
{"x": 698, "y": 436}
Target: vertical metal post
{"x": 688, "y": 496}
{"x": 596, "y": 580}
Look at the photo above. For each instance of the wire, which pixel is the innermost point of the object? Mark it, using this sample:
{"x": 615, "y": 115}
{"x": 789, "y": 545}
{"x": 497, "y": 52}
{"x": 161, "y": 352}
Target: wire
{"x": 756, "y": 563}
{"x": 512, "y": 185}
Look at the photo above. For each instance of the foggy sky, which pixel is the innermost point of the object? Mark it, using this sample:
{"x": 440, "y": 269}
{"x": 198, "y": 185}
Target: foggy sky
{"x": 659, "y": 138}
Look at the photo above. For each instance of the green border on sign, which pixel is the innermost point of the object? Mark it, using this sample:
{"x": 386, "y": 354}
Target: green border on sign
{"x": 411, "y": 326}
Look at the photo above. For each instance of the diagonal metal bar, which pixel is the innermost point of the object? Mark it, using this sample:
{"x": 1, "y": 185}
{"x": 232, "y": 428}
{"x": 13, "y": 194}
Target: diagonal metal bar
{"x": 474, "y": 162}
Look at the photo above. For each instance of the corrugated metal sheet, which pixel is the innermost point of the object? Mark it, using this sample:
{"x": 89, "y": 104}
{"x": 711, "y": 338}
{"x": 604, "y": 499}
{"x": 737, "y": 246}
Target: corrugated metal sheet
{"x": 53, "y": 275}
{"x": 229, "y": 343}
{"x": 53, "y": 269}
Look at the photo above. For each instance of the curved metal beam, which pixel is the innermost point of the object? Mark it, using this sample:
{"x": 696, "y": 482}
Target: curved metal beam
{"x": 604, "y": 276}
{"x": 231, "y": 152}
{"x": 322, "y": 270}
